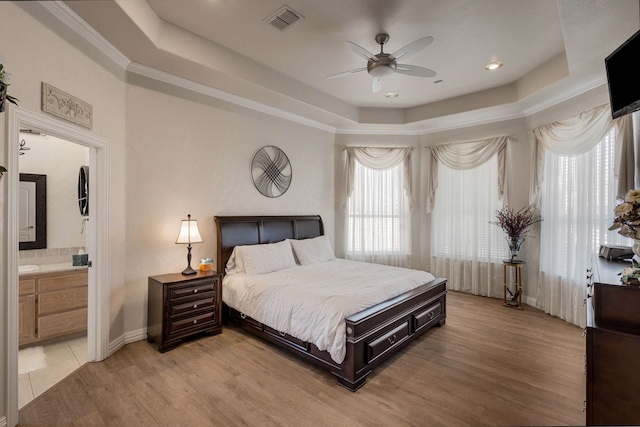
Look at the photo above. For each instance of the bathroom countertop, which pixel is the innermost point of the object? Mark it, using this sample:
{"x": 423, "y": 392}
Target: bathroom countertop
{"x": 52, "y": 268}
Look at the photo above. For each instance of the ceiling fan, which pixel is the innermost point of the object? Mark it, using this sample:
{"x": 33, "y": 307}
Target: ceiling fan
{"x": 383, "y": 64}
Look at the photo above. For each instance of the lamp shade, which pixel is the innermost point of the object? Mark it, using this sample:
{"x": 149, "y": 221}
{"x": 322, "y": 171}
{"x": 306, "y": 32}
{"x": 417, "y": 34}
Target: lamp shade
{"x": 189, "y": 232}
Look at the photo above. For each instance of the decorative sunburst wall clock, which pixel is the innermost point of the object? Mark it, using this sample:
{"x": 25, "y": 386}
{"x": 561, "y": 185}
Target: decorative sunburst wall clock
{"x": 271, "y": 171}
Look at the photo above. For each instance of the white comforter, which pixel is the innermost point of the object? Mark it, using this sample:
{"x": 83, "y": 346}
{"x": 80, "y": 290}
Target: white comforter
{"x": 311, "y": 302}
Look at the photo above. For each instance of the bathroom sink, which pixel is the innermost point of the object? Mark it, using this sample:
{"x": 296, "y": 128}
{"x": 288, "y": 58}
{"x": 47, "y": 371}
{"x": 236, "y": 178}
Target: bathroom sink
{"x": 25, "y": 268}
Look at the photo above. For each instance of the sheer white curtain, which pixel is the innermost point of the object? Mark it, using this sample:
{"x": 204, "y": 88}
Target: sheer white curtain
{"x": 577, "y": 200}
{"x": 465, "y": 247}
{"x": 576, "y": 162}
{"x": 378, "y": 220}
{"x": 470, "y": 182}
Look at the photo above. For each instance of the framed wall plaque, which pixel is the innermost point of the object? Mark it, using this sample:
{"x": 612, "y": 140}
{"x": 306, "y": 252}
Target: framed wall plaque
{"x": 65, "y": 106}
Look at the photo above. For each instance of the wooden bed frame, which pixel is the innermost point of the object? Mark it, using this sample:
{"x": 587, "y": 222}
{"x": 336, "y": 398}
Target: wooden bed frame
{"x": 373, "y": 335}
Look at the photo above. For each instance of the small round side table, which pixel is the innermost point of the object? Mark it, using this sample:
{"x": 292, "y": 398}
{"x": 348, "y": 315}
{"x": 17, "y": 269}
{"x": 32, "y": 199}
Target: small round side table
{"x": 515, "y": 300}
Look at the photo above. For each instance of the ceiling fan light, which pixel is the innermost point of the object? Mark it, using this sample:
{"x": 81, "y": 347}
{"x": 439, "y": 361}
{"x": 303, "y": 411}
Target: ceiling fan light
{"x": 379, "y": 70}
{"x": 493, "y": 66}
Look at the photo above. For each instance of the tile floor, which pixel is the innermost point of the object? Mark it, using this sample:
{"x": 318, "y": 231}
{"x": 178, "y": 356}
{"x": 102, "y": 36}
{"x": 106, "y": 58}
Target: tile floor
{"x": 62, "y": 358}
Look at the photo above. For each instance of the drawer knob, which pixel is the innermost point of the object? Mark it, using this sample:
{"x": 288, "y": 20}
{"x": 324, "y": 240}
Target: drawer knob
{"x": 195, "y": 305}
{"x": 430, "y": 314}
{"x": 195, "y": 291}
{"x": 195, "y": 321}
{"x": 392, "y": 339}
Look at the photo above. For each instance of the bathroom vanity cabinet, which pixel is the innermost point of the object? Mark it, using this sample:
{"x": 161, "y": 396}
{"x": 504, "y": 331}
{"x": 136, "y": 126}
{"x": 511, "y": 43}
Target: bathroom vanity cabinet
{"x": 52, "y": 305}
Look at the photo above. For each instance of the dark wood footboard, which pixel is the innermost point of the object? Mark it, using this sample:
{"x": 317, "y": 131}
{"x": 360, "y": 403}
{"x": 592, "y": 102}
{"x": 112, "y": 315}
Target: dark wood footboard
{"x": 372, "y": 336}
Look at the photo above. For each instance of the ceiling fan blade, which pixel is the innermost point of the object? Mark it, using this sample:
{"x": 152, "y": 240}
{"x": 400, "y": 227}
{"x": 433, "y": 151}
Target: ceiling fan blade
{"x": 361, "y": 51}
{"x": 376, "y": 85}
{"x": 346, "y": 73}
{"x": 412, "y": 48}
{"x": 414, "y": 70}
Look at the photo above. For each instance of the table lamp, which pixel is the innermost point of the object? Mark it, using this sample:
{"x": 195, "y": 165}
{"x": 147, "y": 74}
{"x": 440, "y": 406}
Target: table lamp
{"x": 189, "y": 234}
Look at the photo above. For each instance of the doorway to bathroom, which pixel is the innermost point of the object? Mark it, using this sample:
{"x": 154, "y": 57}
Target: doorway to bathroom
{"x": 95, "y": 247}
{"x": 52, "y": 261}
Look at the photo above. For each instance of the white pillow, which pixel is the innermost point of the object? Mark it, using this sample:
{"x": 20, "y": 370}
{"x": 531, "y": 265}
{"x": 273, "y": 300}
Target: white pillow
{"x": 311, "y": 251}
{"x": 235, "y": 263}
{"x": 259, "y": 259}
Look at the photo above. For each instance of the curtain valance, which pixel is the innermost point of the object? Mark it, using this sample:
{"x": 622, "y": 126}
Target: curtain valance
{"x": 380, "y": 158}
{"x": 579, "y": 134}
{"x": 467, "y": 155}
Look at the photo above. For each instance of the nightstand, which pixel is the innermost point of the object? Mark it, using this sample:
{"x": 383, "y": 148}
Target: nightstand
{"x": 181, "y": 306}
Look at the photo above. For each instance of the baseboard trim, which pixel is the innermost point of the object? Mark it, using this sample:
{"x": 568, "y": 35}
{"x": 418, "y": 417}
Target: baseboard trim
{"x": 530, "y": 301}
{"x": 125, "y": 339}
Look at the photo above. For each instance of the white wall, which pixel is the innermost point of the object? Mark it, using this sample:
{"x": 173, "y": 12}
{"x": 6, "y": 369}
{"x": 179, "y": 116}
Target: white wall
{"x": 190, "y": 154}
{"x": 36, "y": 47}
{"x": 60, "y": 161}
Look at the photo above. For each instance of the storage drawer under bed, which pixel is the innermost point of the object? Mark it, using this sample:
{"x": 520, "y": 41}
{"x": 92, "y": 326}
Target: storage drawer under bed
{"x": 428, "y": 316}
{"x": 288, "y": 338}
{"x": 387, "y": 341}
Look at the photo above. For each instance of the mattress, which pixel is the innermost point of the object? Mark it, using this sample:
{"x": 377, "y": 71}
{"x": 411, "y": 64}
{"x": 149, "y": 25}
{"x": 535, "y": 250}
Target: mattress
{"x": 311, "y": 302}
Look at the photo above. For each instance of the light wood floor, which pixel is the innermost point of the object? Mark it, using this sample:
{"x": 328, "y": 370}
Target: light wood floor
{"x": 489, "y": 365}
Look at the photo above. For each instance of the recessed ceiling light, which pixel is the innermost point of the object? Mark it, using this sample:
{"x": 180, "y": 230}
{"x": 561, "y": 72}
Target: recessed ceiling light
{"x": 493, "y": 66}
{"x": 391, "y": 95}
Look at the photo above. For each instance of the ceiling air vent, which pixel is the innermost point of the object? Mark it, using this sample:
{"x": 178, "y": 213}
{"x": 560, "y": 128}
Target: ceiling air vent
{"x": 283, "y": 18}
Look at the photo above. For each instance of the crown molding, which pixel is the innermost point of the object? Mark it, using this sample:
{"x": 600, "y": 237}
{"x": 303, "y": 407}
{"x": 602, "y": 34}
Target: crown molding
{"x": 174, "y": 80}
{"x": 565, "y": 95}
{"x": 71, "y": 19}
{"x": 441, "y": 124}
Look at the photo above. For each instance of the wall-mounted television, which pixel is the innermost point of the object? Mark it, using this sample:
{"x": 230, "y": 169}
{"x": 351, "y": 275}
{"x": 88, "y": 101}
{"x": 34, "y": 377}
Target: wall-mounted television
{"x": 623, "y": 77}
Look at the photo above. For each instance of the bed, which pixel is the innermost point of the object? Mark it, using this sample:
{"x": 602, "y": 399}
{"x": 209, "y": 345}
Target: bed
{"x": 371, "y": 336}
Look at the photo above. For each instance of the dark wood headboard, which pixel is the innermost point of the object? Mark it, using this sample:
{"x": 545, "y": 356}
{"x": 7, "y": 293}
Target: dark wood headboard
{"x": 252, "y": 230}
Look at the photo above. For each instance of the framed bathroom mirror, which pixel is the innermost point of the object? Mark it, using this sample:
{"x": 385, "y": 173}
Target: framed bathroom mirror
{"x": 32, "y": 211}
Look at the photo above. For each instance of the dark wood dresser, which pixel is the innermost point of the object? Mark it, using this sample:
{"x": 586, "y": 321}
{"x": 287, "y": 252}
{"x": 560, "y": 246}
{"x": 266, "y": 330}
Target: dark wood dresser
{"x": 182, "y": 306}
{"x": 613, "y": 347}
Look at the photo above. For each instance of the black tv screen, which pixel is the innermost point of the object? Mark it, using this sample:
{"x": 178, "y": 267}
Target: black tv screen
{"x": 623, "y": 77}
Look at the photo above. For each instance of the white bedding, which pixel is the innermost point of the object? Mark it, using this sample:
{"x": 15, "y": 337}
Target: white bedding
{"x": 311, "y": 302}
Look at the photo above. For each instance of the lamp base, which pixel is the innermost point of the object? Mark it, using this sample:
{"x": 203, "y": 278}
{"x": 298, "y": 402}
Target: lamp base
{"x": 188, "y": 271}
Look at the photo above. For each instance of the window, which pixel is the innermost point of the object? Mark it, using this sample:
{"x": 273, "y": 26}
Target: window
{"x": 465, "y": 247}
{"x": 466, "y": 202}
{"x": 578, "y": 196}
{"x": 378, "y": 220}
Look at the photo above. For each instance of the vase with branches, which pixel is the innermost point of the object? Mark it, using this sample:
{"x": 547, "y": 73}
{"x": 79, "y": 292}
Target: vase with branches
{"x": 516, "y": 225}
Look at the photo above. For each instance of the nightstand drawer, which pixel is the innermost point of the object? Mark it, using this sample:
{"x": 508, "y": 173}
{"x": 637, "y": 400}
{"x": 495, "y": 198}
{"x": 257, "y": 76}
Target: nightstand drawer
{"x": 195, "y": 289}
{"x": 191, "y": 322}
{"x": 195, "y": 305}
